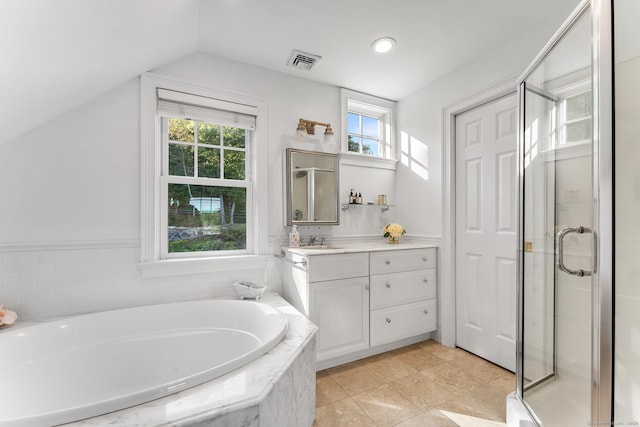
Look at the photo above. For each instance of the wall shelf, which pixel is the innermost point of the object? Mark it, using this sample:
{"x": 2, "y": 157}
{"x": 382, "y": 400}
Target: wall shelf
{"x": 347, "y": 206}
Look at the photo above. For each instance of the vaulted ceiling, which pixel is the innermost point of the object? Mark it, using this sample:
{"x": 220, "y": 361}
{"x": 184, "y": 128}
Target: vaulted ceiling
{"x": 57, "y": 55}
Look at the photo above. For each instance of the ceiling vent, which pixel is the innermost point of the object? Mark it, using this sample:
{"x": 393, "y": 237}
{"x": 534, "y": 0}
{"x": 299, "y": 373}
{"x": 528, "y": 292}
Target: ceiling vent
{"x": 303, "y": 60}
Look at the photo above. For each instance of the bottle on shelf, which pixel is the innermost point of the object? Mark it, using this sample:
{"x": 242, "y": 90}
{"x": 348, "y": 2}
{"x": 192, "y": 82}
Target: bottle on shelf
{"x": 352, "y": 197}
{"x": 359, "y": 199}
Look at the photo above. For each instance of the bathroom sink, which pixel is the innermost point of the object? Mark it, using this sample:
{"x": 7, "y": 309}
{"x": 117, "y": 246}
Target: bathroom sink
{"x": 321, "y": 247}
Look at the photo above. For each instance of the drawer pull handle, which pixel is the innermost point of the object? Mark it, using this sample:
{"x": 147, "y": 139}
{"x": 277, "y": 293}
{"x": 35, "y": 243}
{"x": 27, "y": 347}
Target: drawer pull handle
{"x": 424, "y": 258}
{"x": 388, "y": 320}
{"x": 388, "y": 285}
{"x": 386, "y": 261}
{"x": 366, "y": 287}
{"x": 426, "y": 311}
{"x": 425, "y": 280}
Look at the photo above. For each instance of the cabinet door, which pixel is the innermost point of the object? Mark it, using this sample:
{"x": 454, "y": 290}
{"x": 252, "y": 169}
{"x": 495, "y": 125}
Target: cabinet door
{"x": 340, "y": 309}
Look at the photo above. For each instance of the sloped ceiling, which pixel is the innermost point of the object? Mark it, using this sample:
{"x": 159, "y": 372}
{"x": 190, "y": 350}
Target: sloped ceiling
{"x": 57, "y": 55}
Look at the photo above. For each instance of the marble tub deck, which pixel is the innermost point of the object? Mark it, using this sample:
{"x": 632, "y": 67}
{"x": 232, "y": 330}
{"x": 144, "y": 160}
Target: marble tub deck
{"x": 276, "y": 389}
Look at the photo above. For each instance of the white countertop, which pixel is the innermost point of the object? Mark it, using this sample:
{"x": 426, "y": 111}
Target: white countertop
{"x": 370, "y": 246}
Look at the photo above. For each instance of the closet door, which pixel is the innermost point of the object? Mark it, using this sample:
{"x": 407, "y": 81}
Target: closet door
{"x": 486, "y": 194}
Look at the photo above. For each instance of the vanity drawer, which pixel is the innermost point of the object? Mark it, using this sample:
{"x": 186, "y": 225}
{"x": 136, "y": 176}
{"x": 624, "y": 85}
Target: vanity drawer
{"x": 338, "y": 266}
{"x": 402, "y": 260}
{"x": 402, "y": 288}
{"x": 392, "y": 324}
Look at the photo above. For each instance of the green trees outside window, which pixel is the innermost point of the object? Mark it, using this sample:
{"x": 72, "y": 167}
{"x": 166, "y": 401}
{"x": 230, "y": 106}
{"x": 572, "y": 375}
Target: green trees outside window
{"x": 206, "y": 215}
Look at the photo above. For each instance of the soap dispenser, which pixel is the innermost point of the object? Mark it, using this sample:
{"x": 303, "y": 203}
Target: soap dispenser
{"x": 294, "y": 237}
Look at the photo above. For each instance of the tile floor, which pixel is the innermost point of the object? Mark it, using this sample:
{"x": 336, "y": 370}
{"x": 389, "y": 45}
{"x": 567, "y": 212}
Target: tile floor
{"x": 425, "y": 384}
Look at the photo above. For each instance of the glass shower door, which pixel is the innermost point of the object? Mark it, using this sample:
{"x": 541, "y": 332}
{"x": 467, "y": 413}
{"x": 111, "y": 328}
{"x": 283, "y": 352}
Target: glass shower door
{"x": 556, "y": 215}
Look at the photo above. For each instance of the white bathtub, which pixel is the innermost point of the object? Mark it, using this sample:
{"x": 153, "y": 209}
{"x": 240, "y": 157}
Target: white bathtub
{"x": 83, "y": 366}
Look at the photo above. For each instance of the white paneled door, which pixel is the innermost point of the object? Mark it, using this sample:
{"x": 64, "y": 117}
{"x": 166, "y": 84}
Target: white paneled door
{"x": 486, "y": 199}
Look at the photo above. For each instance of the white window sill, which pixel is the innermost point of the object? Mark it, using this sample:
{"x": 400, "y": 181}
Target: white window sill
{"x": 174, "y": 267}
{"x": 363, "y": 160}
{"x": 567, "y": 151}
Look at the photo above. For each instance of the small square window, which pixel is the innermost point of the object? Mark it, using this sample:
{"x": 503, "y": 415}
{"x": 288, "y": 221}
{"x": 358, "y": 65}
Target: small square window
{"x": 363, "y": 134}
{"x": 368, "y": 126}
{"x": 575, "y": 118}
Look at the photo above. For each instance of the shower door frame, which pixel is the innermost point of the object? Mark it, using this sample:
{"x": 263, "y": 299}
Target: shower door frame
{"x": 602, "y": 211}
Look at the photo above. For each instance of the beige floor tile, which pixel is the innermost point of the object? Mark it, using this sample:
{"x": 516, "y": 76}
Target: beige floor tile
{"x": 357, "y": 379}
{"x": 433, "y": 418}
{"x": 452, "y": 378}
{"x": 488, "y": 402}
{"x": 408, "y": 348}
{"x": 445, "y": 353}
{"x": 505, "y": 384}
{"x": 421, "y": 391}
{"x": 343, "y": 413}
{"x": 385, "y": 406}
{"x": 322, "y": 374}
{"x": 419, "y": 358}
{"x": 456, "y": 407}
{"x": 421, "y": 385}
{"x": 481, "y": 369}
{"x": 328, "y": 391}
{"x": 391, "y": 368}
{"x": 376, "y": 357}
{"x": 344, "y": 367}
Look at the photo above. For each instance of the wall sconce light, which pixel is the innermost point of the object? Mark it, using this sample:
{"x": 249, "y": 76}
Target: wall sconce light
{"x": 308, "y": 127}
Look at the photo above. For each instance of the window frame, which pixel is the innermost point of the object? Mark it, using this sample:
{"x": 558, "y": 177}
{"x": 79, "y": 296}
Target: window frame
{"x": 155, "y": 260}
{"x": 379, "y": 142}
{"x": 371, "y": 106}
{"x": 168, "y": 179}
{"x": 571, "y": 91}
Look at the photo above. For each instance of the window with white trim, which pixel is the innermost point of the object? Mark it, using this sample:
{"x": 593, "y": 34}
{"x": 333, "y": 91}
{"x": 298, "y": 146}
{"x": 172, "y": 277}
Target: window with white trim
{"x": 368, "y": 125}
{"x": 570, "y": 119}
{"x": 206, "y": 186}
{"x": 576, "y": 116}
{"x": 363, "y": 133}
{"x": 202, "y": 186}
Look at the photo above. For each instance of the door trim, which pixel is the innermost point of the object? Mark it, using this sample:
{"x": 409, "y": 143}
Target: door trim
{"x": 603, "y": 320}
{"x": 447, "y": 331}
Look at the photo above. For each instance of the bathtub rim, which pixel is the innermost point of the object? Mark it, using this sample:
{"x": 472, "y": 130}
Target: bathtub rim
{"x": 84, "y": 414}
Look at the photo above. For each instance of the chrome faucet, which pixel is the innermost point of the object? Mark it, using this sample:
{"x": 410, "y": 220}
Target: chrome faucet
{"x": 316, "y": 240}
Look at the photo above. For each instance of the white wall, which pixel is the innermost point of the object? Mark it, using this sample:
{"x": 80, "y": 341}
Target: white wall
{"x": 420, "y": 122}
{"x": 420, "y": 181}
{"x": 289, "y": 99}
{"x": 70, "y": 216}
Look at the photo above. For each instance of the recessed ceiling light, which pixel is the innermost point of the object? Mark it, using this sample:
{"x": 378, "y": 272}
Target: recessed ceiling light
{"x": 383, "y": 45}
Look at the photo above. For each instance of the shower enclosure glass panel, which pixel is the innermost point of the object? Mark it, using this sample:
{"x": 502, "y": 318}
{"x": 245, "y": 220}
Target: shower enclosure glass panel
{"x": 627, "y": 211}
{"x": 556, "y": 200}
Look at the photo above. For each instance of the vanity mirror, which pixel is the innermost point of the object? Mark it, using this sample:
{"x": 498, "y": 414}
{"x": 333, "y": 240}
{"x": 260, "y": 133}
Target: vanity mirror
{"x": 312, "y": 188}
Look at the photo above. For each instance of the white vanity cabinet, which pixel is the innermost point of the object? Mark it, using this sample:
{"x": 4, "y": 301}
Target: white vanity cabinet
{"x": 403, "y": 294}
{"x": 363, "y": 302}
{"x": 333, "y": 291}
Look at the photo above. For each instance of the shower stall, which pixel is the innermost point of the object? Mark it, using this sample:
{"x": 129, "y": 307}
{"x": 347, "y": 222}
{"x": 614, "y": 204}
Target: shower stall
{"x": 578, "y": 347}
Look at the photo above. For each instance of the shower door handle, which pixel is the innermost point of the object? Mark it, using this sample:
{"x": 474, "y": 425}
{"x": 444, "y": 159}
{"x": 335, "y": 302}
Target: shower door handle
{"x": 560, "y": 250}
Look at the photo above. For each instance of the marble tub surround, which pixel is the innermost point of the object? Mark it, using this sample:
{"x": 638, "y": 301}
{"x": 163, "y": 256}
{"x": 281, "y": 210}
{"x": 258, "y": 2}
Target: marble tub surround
{"x": 275, "y": 390}
{"x": 424, "y": 384}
